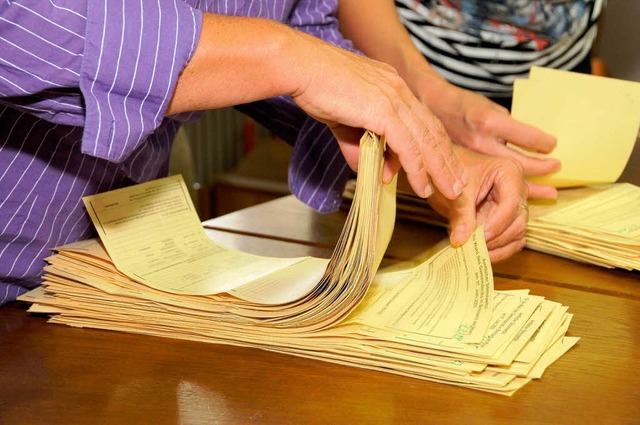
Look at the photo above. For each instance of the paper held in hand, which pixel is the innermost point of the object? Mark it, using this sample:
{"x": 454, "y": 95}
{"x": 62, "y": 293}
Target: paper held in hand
{"x": 154, "y": 271}
{"x": 594, "y": 119}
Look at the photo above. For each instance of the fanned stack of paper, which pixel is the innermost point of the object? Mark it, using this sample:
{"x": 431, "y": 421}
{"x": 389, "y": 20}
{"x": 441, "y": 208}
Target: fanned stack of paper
{"x": 598, "y": 225}
{"x": 437, "y": 319}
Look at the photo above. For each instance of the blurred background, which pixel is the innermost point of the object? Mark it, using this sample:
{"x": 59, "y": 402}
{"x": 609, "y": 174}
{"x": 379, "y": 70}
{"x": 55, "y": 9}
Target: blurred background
{"x": 619, "y": 39}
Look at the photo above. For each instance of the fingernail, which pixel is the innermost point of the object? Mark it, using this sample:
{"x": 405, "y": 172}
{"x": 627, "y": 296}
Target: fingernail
{"x": 487, "y": 235}
{"x": 456, "y": 235}
{"x": 465, "y": 178}
{"x": 428, "y": 190}
{"x": 457, "y": 189}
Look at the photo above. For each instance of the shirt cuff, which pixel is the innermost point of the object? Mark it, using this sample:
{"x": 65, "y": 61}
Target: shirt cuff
{"x": 318, "y": 171}
{"x": 134, "y": 53}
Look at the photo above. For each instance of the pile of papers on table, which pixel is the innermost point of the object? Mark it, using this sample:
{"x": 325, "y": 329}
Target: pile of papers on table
{"x": 597, "y": 225}
{"x": 155, "y": 272}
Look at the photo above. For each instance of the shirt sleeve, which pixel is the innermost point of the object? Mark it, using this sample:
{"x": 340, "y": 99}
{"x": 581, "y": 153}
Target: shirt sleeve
{"x": 134, "y": 53}
{"x": 41, "y": 49}
{"x": 318, "y": 171}
{"x": 108, "y": 66}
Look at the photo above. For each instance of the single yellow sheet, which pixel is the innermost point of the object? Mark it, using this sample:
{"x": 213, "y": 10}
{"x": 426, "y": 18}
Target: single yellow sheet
{"x": 595, "y": 119}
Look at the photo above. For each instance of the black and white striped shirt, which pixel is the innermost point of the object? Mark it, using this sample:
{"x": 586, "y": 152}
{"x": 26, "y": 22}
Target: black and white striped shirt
{"x": 483, "y": 45}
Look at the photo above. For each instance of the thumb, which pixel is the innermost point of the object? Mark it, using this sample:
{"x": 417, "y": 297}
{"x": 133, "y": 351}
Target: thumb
{"x": 462, "y": 218}
{"x": 348, "y": 139}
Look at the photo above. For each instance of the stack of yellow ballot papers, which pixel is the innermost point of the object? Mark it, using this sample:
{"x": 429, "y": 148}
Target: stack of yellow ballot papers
{"x": 596, "y": 121}
{"x": 597, "y": 225}
{"x": 155, "y": 272}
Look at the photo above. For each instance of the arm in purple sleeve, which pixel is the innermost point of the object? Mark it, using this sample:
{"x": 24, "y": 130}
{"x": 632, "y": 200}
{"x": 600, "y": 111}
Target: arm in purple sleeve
{"x": 107, "y": 66}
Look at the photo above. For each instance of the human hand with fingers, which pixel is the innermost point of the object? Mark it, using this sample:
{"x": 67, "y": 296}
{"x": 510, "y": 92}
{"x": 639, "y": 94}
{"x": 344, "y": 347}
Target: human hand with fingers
{"x": 470, "y": 119}
{"x": 350, "y": 93}
{"x": 474, "y": 121}
{"x": 342, "y": 89}
{"x": 372, "y": 95}
{"x": 496, "y": 198}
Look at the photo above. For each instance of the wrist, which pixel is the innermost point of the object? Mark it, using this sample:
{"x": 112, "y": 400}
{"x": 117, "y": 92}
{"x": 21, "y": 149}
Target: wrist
{"x": 292, "y": 52}
{"x": 424, "y": 81}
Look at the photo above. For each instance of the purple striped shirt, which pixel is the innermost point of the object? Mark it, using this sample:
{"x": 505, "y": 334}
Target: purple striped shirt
{"x": 83, "y": 90}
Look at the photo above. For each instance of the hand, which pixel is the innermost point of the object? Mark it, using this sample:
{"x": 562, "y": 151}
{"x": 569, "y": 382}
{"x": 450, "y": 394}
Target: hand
{"x": 470, "y": 119}
{"x": 342, "y": 89}
{"x": 481, "y": 125}
{"x": 349, "y": 92}
{"x": 496, "y": 197}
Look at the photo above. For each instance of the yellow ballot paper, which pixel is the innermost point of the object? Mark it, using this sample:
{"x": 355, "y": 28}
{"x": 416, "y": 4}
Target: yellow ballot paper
{"x": 437, "y": 318}
{"x": 595, "y": 224}
{"x": 153, "y": 234}
{"x": 458, "y": 298}
{"x": 595, "y": 120}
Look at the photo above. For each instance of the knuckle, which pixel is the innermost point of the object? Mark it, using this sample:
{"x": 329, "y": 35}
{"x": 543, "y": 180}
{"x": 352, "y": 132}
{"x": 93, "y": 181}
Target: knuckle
{"x": 426, "y": 136}
{"x": 411, "y": 158}
{"x": 451, "y": 158}
{"x": 481, "y": 121}
{"x": 477, "y": 144}
{"x": 439, "y": 132}
{"x": 522, "y": 243}
{"x": 514, "y": 163}
{"x": 521, "y": 231}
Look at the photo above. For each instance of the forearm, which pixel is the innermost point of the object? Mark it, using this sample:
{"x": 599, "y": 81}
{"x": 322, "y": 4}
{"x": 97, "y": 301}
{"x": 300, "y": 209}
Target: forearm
{"x": 375, "y": 28}
{"x": 238, "y": 60}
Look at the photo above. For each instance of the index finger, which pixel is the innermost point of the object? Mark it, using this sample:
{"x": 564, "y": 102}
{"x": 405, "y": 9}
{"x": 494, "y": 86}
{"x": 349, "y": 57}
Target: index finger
{"x": 524, "y": 135}
{"x": 437, "y": 150}
{"x": 424, "y": 149}
{"x": 509, "y": 193}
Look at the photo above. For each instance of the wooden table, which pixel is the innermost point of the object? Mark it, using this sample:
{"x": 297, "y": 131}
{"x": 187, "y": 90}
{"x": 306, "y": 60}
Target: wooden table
{"x": 53, "y": 374}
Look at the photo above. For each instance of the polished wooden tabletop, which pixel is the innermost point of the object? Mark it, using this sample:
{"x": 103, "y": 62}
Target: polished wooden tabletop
{"x": 52, "y": 374}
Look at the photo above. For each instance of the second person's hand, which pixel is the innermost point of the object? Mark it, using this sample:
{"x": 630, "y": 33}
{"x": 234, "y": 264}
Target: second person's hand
{"x": 495, "y": 198}
{"x": 476, "y": 122}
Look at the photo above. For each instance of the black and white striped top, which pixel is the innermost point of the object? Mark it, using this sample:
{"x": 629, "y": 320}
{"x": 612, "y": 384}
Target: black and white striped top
{"x": 483, "y": 45}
